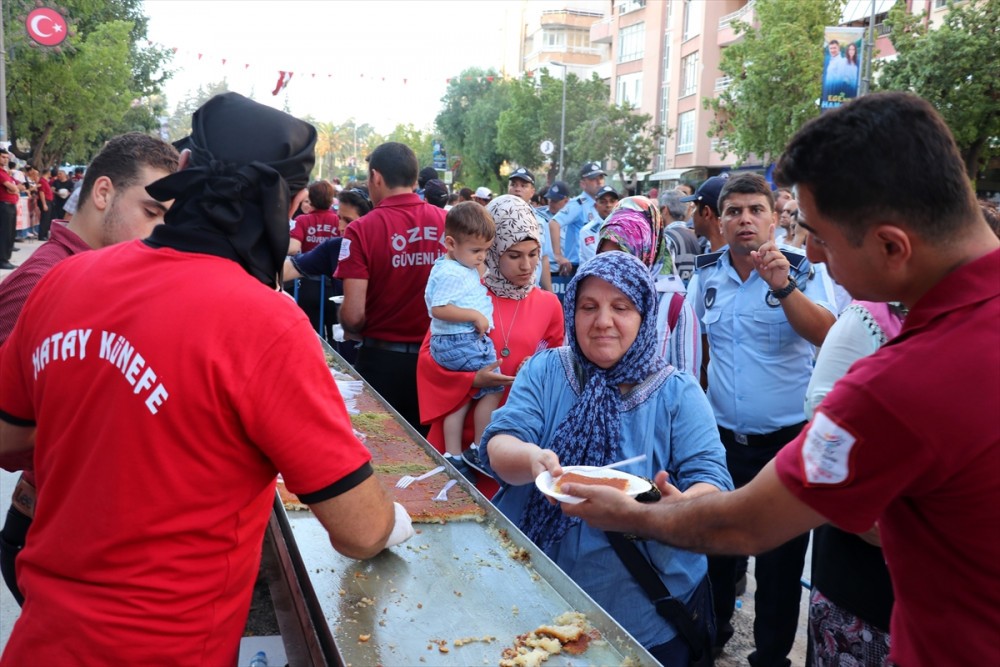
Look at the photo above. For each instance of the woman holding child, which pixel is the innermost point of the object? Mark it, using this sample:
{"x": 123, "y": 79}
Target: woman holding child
{"x": 606, "y": 396}
{"x": 525, "y": 320}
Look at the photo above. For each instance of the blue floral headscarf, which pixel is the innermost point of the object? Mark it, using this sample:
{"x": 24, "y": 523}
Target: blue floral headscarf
{"x": 590, "y": 433}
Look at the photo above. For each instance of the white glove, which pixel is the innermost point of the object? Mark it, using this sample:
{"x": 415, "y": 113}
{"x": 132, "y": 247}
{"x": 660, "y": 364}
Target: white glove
{"x": 402, "y": 530}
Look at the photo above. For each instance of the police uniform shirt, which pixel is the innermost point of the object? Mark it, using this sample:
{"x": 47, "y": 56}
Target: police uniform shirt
{"x": 759, "y": 367}
{"x": 577, "y": 213}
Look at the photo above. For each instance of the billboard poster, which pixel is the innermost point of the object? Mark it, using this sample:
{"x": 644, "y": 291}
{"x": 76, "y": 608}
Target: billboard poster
{"x": 842, "y": 58}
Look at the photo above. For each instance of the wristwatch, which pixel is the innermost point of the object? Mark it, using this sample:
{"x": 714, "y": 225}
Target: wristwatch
{"x": 786, "y": 290}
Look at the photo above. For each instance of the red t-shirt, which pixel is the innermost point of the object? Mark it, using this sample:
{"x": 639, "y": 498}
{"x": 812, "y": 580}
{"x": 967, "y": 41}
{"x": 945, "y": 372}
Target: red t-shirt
{"x": 163, "y": 408}
{"x": 5, "y": 196}
{"x": 909, "y": 437}
{"x": 527, "y": 324}
{"x": 394, "y": 248}
{"x": 43, "y": 187}
{"x": 311, "y": 229}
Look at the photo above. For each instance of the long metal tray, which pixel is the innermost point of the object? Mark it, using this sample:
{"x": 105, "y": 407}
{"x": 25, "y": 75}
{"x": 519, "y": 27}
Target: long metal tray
{"x": 451, "y": 581}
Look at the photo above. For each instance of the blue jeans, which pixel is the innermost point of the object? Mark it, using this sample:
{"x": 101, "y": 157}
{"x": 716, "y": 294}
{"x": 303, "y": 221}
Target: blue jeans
{"x": 465, "y": 352}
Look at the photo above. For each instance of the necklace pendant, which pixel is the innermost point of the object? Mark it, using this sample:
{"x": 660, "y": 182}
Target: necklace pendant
{"x": 505, "y": 352}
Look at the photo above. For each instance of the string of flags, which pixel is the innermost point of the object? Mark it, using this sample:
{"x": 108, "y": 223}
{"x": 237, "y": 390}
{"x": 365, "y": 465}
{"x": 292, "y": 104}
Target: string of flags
{"x": 284, "y": 77}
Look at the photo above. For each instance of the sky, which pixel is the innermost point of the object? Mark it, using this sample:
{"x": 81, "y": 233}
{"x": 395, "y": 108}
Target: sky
{"x": 382, "y": 62}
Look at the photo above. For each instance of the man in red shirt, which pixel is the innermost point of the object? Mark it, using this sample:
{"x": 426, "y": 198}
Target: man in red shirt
{"x": 114, "y": 207}
{"x": 157, "y": 371}
{"x": 385, "y": 260}
{"x": 9, "y": 195}
{"x": 907, "y": 441}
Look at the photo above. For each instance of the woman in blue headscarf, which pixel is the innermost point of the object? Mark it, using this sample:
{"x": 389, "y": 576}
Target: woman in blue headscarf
{"x": 608, "y": 395}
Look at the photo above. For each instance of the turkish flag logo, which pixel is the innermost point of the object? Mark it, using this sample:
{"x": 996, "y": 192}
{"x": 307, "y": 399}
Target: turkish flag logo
{"x": 46, "y": 26}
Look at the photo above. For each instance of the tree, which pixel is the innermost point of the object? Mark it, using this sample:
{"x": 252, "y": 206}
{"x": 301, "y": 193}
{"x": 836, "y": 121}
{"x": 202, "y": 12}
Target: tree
{"x": 534, "y": 114}
{"x": 422, "y": 143}
{"x": 957, "y": 69}
{"x": 468, "y": 124}
{"x": 64, "y": 102}
{"x": 179, "y": 122}
{"x": 617, "y": 132}
{"x": 776, "y": 72}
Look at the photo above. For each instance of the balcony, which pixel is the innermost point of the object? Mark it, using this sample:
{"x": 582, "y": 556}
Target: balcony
{"x": 722, "y": 83}
{"x": 726, "y": 34}
{"x": 603, "y": 31}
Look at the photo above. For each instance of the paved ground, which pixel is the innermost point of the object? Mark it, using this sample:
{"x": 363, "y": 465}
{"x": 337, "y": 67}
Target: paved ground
{"x": 736, "y": 650}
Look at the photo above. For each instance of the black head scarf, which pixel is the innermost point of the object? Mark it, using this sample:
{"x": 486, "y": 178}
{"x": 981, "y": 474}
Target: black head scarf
{"x": 232, "y": 199}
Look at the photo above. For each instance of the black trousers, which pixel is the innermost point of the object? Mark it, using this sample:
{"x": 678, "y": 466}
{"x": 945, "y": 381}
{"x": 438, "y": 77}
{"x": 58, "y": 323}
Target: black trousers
{"x": 778, "y": 572}
{"x": 8, "y": 228}
{"x": 45, "y": 223}
{"x": 394, "y": 376}
{"x": 12, "y": 540}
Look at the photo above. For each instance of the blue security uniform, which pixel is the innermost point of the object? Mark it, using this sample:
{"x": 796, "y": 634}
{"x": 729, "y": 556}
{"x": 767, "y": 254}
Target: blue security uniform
{"x": 758, "y": 371}
{"x": 578, "y": 212}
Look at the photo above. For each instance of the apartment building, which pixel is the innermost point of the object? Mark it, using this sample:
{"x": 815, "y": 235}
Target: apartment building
{"x": 665, "y": 57}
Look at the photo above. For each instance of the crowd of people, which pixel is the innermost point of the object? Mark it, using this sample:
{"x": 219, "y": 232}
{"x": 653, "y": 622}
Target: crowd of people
{"x": 786, "y": 357}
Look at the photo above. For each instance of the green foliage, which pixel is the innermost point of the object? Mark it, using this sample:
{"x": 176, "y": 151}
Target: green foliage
{"x": 534, "y": 114}
{"x": 64, "y": 102}
{"x": 336, "y": 146}
{"x": 776, "y": 72}
{"x": 179, "y": 122}
{"x": 468, "y": 124}
{"x": 629, "y": 138}
{"x": 957, "y": 69}
{"x": 489, "y": 123}
{"x": 422, "y": 143}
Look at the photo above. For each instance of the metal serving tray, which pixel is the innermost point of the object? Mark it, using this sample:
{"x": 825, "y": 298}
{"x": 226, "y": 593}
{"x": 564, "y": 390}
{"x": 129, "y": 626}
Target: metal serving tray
{"x": 451, "y": 581}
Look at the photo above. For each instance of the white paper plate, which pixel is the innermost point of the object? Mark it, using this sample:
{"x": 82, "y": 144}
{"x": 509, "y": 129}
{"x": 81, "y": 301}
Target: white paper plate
{"x": 546, "y": 485}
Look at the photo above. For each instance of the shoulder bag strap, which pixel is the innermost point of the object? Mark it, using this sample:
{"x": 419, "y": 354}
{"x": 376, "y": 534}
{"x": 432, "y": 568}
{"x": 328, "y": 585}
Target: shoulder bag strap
{"x": 667, "y": 606}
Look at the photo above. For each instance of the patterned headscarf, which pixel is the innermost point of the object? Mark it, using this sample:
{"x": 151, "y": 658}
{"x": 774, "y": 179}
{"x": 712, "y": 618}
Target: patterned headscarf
{"x": 515, "y": 222}
{"x": 636, "y": 226}
{"x": 590, "y": 433}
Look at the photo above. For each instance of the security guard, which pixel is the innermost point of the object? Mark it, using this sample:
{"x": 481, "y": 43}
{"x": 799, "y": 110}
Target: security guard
{"x": 762, "y": 310}
{"x": 577, "y": 213}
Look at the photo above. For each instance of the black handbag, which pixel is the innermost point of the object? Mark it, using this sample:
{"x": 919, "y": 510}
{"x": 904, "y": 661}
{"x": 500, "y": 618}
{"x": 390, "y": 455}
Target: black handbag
{"x": 687, "y": 623}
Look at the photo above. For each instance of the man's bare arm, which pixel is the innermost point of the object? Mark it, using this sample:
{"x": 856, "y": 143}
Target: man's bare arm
{"x": 17, "y": 446}
{"x": 352, "y": 311}
{"x": 753, "y": 519}
{"x": 358, "y": 521}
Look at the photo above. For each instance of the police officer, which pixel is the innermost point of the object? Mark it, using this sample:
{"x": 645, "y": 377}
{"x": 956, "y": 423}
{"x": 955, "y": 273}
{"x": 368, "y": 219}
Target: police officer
{"x": 578, "y": 213}
{"x": 762, "y": 310}
{"x": 605, "y": 201}
{"x": 521, "y": 183}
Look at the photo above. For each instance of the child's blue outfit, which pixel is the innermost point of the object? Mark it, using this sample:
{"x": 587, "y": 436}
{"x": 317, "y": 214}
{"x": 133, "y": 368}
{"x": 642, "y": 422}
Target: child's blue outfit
{"x": 457, "y": 346}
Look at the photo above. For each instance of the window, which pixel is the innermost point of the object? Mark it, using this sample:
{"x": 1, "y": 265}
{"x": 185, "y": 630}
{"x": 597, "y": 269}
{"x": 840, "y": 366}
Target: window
{"x": 685, "y": 132}
{"x": 629, "y": 90}
{"x": 553, "y": 39}
{"x": 693, "y": 11}
{"x": 689, "y": 74}
{"x": 631, "y": 42}
{"x": 626, "y": 6}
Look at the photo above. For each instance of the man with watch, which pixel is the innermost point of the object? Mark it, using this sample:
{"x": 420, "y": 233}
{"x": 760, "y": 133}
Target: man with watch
{"x": 763, "y": 309}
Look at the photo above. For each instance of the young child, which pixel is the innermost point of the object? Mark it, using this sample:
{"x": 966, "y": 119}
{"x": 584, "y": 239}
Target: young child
{"x": 461, "y": 316}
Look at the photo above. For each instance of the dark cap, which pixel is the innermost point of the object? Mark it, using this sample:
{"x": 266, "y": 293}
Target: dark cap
{"x": 2, "y": 149}
{"x": 591, "y": 169}
{"x": 557, "y": 191}
{"x": 436, "y": 192}
{"x": 708, "y": 192}
{"x": 607, "y": 190}
{"x": 523, "y": 174}
{"x": 426, "y": 174}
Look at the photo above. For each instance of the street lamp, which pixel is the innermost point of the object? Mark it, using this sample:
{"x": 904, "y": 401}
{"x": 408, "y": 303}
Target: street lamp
{"x": 562, "y": 124}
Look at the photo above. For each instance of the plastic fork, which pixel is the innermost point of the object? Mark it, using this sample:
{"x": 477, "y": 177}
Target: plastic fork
{"x": 406, "y": 480}
{"x": 443, "y": 493}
